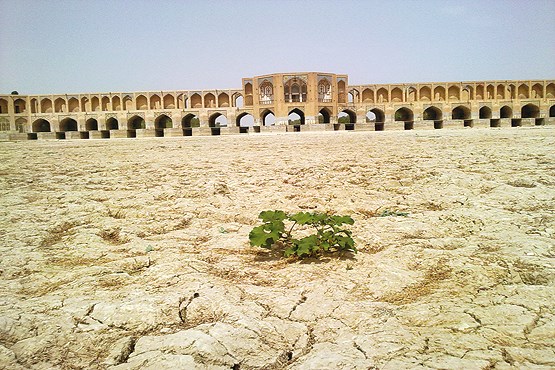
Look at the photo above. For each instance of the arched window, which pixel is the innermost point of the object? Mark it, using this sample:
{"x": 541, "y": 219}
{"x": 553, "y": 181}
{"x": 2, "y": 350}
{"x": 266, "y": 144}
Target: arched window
{"x": 295, "y": 90}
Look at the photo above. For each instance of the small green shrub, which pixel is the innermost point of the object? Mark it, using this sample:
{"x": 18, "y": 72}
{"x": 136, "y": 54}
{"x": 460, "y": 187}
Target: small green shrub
{"x": 330, "y": 236}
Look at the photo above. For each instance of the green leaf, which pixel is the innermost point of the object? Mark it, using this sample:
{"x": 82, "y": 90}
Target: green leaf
{"x": 306, "y": 245}
{"x": 262, "y": 238}
{"x": 340, "y": 220}
{"x": 302, "y": 218}
{"x": 270, "y": 216}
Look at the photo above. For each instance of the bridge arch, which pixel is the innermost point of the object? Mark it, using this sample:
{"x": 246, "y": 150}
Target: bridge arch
{"x": 552, "y": 111}
{"x": 136, "y": 123}
{"x": 324, "y": 115}
{"x": 404, "y": 114}
{"x": 485, "y": 112}
{"x": 217, "y": 120}
{"x": 190, "y": 120}
{"x": 296, "y": 114}
{"x": 347, "y": 113}
{"x": 460, "y": 112}
{"x": 141, "y": 103}
{"x": 506, "y": 112}
{"x": 244, "y": 120}
{"x": 68, "y": 124}
{"x": 91, "y": 125}
{"x": 41, "y": 125}
{"x": 268, "y": 118}
{"x": 530, "y": 111}
{"x": 432, "y": 114}
{"x": 73, "y": 105}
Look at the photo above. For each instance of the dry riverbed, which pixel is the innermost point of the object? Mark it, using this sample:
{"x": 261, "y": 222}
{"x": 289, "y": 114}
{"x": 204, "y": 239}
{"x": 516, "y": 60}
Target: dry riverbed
{"x": 134, "y": 253}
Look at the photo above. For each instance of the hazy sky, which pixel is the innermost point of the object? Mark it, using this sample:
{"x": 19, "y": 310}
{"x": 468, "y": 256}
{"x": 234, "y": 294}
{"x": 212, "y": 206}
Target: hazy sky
{"x": 75, "y": 46}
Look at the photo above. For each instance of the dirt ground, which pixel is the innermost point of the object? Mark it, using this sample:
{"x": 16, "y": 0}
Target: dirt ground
{"x": 134, "y": 253}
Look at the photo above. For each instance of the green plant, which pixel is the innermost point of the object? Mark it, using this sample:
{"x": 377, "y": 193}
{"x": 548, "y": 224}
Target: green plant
{"x": 329, "y": 236}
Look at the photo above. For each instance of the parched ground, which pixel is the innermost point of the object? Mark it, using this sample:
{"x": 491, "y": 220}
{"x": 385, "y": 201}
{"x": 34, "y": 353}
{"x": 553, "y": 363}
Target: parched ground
{"x": 134, "y": 253}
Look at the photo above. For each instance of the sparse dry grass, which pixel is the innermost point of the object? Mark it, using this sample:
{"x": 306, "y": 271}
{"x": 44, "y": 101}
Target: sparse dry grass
{"x": 113, "y": 236}
{"x": 430, "y": 281}
{"x": 57, "y": 233}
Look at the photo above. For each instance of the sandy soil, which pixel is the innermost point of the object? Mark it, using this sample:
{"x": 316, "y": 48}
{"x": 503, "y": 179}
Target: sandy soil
{"x": 134, "y": 253}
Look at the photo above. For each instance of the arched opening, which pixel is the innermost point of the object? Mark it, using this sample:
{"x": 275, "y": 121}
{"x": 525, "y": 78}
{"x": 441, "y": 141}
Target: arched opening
{"x": 454, "y": 93}
{"x": 460, "y": 112}
{"x": 268, "y": 118}
{"x": 196, "y": 101}
{"x": 46, "y": 106}
{"x": 169, "y": 101}
{"x": 500, "y": 92}
{"x": 490, "y": 92}
{"x": 341, "y": 91}
{"x": 160, "y": 123}
{"x": 209, "y": 101}
{"x": 217, "y": 120}
{"x": 112, "y": 124}
{"x": 523, "y": 91}
{"x": 116, "y": 103}
{"x": 552, "y": 111}
{"x": 128, "y": 103}
{"x": 85, "y": 104}
{"x": 346, "y": 116}
{"x": 136, "y": 123}
{"x": 73, "y": 105}
{"x": 324, "y": 90}
{"x": 537, "y": 91}
{"x": 480, "y": 92}
{"x": 425, "y": 94}
{"x": 3, "y": 106}
{"x": 239, "y": 101}
{"x": 396, "y": 95}
{"x": 248, "y": 94}
{"x": 155, "y": 102}
{"x": 506, "y": 112}
{"x": 41, "y": 125}
{"x": 368, "y": 96}
{"x": 21, "y": 125}
{"x": 59, "y": 105}
{"x": 223, "y": 100}
{"x": 404, "y": 114}
{"x": 350, "y": 97}
{"x": 91, "y": 125}
{"x": 244, "y": 120}
{"x": 296, "y": 117}
{"x": 188, "y": 122}
{"x": 377, "y": 117}
{"x": 141, "y": 103}
{"x": 295, "y": 90}
{"x": 383, "y": 96}
{"x": 550, "y": 91}
{"x": 530, "y": 111}
{"x": 432, "y": 114}
{"x": 68, "y": 124}
{"x": 95, "y": 103}
{"x": 485, "y": 113}
{"x": 182, "y": 101}
{"x": 324, "y": 115}
{"x": 439, "y": 93}
{"x": 106, "y": 104}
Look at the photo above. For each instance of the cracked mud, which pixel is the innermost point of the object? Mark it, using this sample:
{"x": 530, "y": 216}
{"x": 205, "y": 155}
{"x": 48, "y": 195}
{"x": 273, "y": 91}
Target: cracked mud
{"x": 134, "y": 254}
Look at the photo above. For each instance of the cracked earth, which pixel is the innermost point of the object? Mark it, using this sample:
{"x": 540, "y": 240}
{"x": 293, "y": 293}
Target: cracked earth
{"x": 134, "y": 253}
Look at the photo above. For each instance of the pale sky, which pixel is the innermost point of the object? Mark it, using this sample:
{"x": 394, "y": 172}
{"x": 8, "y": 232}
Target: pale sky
{"x": 77, "y": 46}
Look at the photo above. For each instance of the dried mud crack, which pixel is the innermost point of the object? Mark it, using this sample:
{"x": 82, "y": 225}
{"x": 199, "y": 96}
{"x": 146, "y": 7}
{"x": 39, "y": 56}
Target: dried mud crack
{"x": 143, "y": 261}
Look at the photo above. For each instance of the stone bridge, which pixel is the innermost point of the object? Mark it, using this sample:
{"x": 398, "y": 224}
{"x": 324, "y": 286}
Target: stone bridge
{"x": 302, "y": 101}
